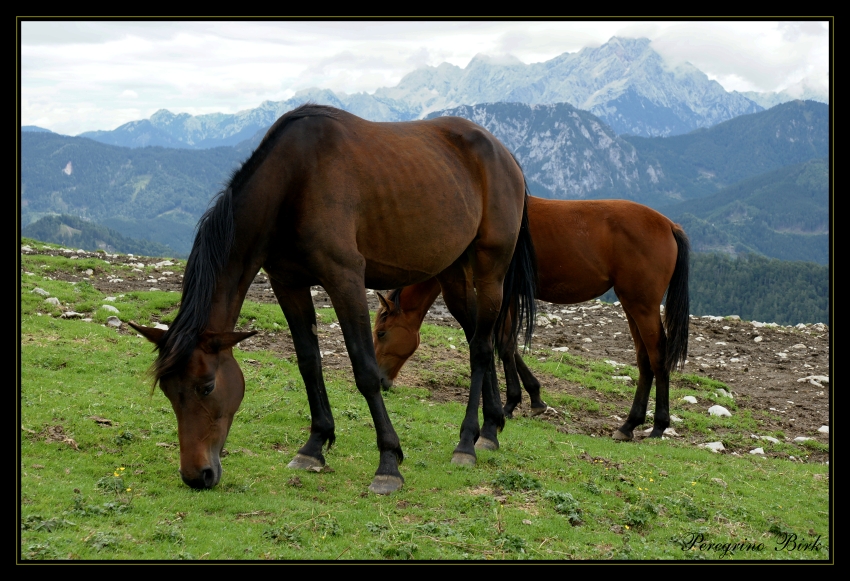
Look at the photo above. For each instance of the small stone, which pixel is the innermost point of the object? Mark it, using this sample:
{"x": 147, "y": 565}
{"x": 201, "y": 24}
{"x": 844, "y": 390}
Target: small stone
{"x": 72, "y": 315}
{"x": 109, "y": 308}
{"x": 53, "y": 301}
{"x": 757, "y": 451}
{"x": 823, "y": 429}
{"x": 109, "y": 299}
{"x": 719, "y": 410}
{"x": 689, "y": 399}
{"x": 798, "y": 346}
{"x": 758, "y": 339}
{"x": 625, "y": 378}
{"x": 41, "y": 291}
{"x": 714, "y": 446}
{"x": 770, "y": 439}
{"x": 587, "y": 340}
{"x": 564, "y": 349}
{"x": 89, "y": 272}
{"x": 113, "y": 322}
{"x": 801, "y": 439}
{"x": 723, "y": 392}
{"x": 162, "y": 326}
{"x": 676, "y": 419}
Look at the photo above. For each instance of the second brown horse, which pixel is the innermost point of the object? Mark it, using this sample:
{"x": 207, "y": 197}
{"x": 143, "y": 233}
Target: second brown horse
{"x": 583, "y": 248}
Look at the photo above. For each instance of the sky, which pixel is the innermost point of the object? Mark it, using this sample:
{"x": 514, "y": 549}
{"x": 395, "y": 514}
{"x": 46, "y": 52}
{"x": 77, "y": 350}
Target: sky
{"x": 78, "y": 76}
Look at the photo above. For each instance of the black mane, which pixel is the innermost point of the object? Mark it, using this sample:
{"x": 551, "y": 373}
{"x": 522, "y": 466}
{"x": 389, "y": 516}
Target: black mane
{"x": 213, "y": 241}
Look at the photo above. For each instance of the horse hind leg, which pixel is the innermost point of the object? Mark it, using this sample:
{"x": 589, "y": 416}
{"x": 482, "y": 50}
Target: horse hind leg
{"x": 460, "y": 298}
{"x": 531, "y": 384}
{"x": 637, "y": 414}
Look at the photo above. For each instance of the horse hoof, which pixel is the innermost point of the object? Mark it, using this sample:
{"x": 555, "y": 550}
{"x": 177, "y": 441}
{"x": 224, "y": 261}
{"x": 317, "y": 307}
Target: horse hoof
{"x": 386, "y": 483}
{"x": 618, "y": 435}
{"x": 486, "y": 444}
{"x": 302, "y": 462}
{"x": 537, "y": 411}
{"x": 463, "y": 459}
{"x": 656, "y": 433}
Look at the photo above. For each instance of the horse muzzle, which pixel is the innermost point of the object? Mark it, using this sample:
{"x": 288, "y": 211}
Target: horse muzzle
{"x": 205, "y": 477}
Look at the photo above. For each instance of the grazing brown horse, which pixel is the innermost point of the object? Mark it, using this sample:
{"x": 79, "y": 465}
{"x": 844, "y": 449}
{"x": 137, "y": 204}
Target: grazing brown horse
{"x": 583, "y": 249}
{"x": 331, "y": 199}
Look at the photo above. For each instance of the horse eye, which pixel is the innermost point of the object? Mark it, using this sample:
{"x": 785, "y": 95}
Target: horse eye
{"x": 381, "y": 334}
{"x": 207, "y": 389}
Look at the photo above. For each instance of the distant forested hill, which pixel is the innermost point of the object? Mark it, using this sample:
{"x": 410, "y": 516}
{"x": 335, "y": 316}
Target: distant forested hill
{"x": 75, "y": 232}
{"x": 783, "y": 214}
{"x": 759, "y": 289}
{"x": 149, "y": 193}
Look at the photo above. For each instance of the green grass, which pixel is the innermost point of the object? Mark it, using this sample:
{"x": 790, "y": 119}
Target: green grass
{"x": 99, "y": 461}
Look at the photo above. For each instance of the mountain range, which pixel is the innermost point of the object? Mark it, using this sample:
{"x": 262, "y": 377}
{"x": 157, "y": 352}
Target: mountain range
{"x": 158, "y": 194}
{"x": 624, "y": 82}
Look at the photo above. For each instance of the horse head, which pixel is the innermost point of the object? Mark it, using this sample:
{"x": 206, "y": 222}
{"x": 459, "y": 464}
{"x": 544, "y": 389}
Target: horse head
{"x": 205, "y": 392}
{"x": 396, "y": 338}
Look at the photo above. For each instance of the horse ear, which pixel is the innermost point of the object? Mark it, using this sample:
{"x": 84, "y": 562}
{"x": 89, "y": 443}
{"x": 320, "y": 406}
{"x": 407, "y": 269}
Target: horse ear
{"x": 152, "y": 334}
{"x": 386, "y": 304}
{"x": 215, "y": 342}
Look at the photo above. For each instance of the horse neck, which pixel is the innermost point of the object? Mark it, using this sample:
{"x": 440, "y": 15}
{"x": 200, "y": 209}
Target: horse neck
{"x": 419, "y": 297}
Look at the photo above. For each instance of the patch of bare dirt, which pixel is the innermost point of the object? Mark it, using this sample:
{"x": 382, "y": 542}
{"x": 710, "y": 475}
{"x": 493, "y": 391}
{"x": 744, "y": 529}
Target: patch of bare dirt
{"x": 768, "y": 369}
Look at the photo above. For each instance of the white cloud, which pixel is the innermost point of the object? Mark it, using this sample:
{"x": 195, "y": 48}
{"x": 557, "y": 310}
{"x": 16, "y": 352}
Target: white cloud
{"x": 71, "y": 72}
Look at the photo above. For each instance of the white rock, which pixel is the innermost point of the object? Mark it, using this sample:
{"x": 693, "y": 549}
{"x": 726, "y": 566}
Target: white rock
{"x": 757, "y": 451}
{"x": 723, "y": 392}
{"x": 41, "y": 291}
{"x": 71, "y": 315}
{"x": 758, "y": 339}
{"x": 714, "y": 446}
{"x": 719, "y": 410}
{"x": 313, "y": 293}
{"x": 113, "y": 322}
{"x": 770, "y": 439}
{"x": 756, "y": 324}
{"x": 689, "y": 399}
{"x": 625, "y": 378}
{"x": 542, "y": 321}
{"x": 801, "y": 439}
{"x": 109, "y": 308}
{"x": 109, "y": 299}
{"x": 676, "y": 419}
{"x": 164, "y": 263}
{"x": 560, "y": 349}
{"x": 818, "y": 378}
{"x": 587, "y": 340}
{"x": 162, "y": 326}
{"x": 721, "y": 343}
{"x": 26, "y": 248}
{"x": 52, "y": 301}
{"x": 153, "y": 289}
{"x": 798, "y": 346}
{"x": 89, "y": 272}
{"x": 614, "y": 363}
{"x": 823, "y": 429}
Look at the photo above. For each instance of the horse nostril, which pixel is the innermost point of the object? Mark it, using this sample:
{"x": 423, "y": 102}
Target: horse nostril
{"x": 208, "y": 476}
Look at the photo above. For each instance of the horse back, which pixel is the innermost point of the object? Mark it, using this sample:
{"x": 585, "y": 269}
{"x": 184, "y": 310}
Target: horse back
{"x": 584, "y": 247}
{"x": 409, "y": 197}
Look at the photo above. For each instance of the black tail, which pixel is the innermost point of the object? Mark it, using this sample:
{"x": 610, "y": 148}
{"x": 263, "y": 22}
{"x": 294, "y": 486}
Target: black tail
{"x": 520, "y": 287}
{"x": 676, "y": 310}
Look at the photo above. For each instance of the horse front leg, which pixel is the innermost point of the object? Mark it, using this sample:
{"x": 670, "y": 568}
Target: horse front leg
{"x": 348, "y": 294}
{"x": 297, "y": 305}
{"x": 531, "y": 384}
